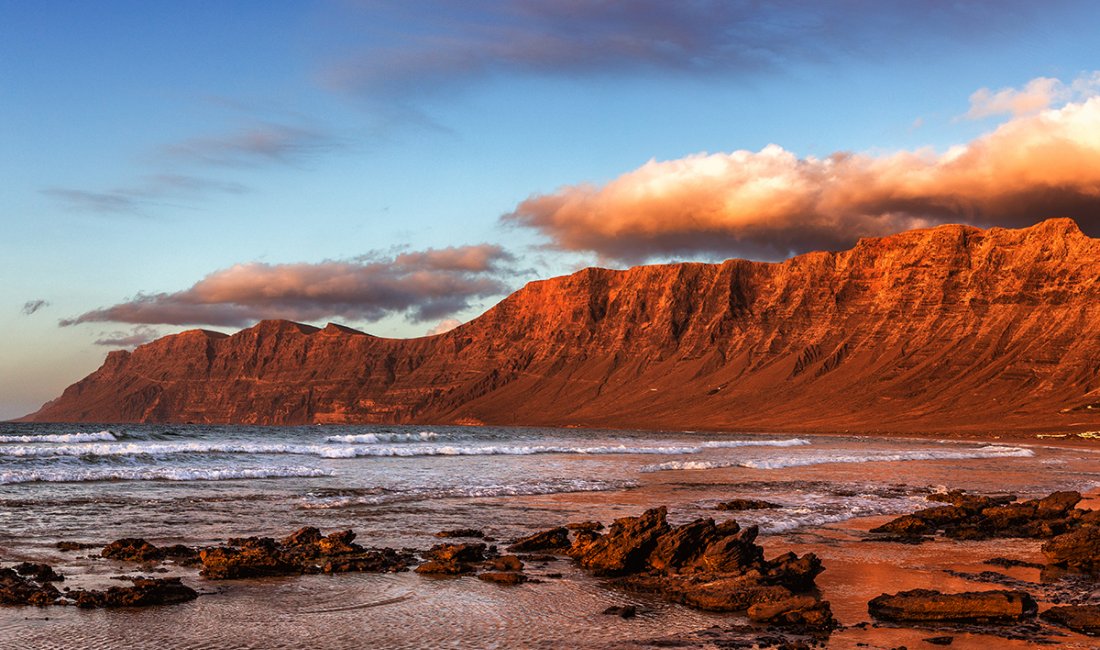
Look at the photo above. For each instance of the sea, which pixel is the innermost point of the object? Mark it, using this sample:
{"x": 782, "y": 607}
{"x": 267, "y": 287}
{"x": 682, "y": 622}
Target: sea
{"x": 397, "y": 486}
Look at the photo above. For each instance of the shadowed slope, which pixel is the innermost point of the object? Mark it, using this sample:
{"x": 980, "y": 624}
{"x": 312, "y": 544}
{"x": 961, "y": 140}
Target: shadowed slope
{"x": 952, "y": 328}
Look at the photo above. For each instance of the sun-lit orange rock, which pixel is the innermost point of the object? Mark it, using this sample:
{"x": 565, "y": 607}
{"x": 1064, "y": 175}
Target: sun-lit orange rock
{"x": 951, "y": 328}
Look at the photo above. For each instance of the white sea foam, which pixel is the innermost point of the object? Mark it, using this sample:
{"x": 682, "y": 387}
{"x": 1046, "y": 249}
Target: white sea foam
{"x": 98, "y": 436}
{"x": 69, "y": 475}
{"x": 329, "y": 451}
{"x": 724, "y": 444}
{"x": 547, "y": 486}
{"x": 780, "y": 462}
{"x": 371, "y": 438}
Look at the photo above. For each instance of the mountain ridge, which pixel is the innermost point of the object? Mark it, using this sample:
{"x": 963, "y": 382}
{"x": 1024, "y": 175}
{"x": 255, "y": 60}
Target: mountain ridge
{"x": 952, "y": 328}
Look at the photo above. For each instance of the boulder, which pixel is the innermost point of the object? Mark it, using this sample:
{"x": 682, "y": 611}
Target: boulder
{"x": 132, "y": 549}
{"x": 40, "y": 572}
{"x": 1077, "y": 550}
{"x": 625, "y": 548}
{"x": 143, "y": 593}
{"x": 924, "y": 605}
{"x": 547, "y": 540}
{"x": 506, "y": 563}
{"x": 462, "y": 532}
{"x": 796, "y": 610}
{"x": 1079, "y": 618}
{"x": 502, "y": 577}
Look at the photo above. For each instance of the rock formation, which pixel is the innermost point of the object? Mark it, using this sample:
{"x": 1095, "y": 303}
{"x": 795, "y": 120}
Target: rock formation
{"x": 951, "y": 329}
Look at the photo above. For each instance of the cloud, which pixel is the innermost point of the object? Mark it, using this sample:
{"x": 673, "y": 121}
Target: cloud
{"x": 444, "y": 326}
{"x": 261, "y": 144}
{"x": 423, "y": 285}
{"x": 412, "y": 48}
{"x": 138, "y": 335}
{"x": 151, "y": 190}
{"x": 770, "y": 203}
{"x": 31, "y": 306}
{"x": 1036, "y": 95}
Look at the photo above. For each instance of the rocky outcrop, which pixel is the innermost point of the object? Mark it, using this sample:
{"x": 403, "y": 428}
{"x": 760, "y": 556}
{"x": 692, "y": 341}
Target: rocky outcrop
{"x": 716, "y": 567}
{"x": 304, "y": 551}
{"x": 982, "y": 517}
{"x": 1079, "y": 618}
{"x": 1078, "y": 550}
{"x": 32, "y": 584}
{"x": 927, "y": 606}
{"x": 950, "y": 329}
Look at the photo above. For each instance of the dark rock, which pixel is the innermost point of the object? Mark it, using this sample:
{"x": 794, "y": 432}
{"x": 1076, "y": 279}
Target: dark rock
{"x": 714, "y": 592}
{"x": 20, "y": 590}
{"x": 132, "y": 549}
{"x": 466, "y": 552}
{"x": 1078, "y": 550}
{"x": 247, "y": 558}
{"x": 40, "y": 572}
{"x": 1079, "y": 618}
{"x": 585, "y": 525}
{"x": 940, "y": 640}
{"x": 461, "y": 532}
{"x": 805, "y": 611}
{"x": 547, "y": 540}
{"x": 924, "y": 605}
{"x": 303, "y": 551}
{"x": 622, "y": 611}
{"x": 502, "y": 577}
{"x": 1009, "y": 563}
{"x": 144, "y": 592}
{"x": 444, "y": 567}
{"x": 746, "y": 504}
{"x": 74, "y": 546}
{"x": 506, "y": 563}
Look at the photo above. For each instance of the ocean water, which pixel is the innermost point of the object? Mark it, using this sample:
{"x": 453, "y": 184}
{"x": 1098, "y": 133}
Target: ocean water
{"x": 397, "y": 486}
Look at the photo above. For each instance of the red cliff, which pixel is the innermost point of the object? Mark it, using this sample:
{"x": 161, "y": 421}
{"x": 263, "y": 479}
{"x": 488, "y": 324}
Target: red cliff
{"x": 951, "y": 328}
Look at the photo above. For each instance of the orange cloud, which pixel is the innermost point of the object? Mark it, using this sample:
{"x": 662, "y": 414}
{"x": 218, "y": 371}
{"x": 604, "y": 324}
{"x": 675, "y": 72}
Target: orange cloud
{"x": 423, "y": 285}
{"x": 772, "y": 204}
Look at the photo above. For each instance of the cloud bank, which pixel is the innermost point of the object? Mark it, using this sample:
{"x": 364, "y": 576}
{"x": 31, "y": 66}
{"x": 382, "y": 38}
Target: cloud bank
{"x": 770, "y": 204}
{"x": 136, "y": 336}
{"x": 422, "y": 285}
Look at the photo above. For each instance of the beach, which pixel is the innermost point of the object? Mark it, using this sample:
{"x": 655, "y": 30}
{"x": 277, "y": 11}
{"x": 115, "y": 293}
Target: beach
{"x": 399, "y": 486}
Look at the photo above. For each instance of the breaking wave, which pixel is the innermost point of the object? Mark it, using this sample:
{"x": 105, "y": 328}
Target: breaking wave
{"x": 529, "y": 488}
{"x": 342, "y": 450}
{"x": 989, "y": 451}
{"x": 155, "y": 474}
{"x": 98, "y": 436}
{"x": 372, "y": 438}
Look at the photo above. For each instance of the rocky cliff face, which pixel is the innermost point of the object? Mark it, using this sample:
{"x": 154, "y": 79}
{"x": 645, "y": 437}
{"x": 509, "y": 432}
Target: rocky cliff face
{"x": 952, "y": 328}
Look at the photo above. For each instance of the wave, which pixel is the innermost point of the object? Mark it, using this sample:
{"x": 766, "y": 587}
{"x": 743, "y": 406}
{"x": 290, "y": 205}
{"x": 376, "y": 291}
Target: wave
{"x": 725, "y": 444}
{"x": 989, "y": 451}
{"x": 530, "y": 488}
{"x": 371, "y": 438}
{"x": 155, "y": 474}
{"x": 335, "y": 451}
{"x": 98, "y": 436}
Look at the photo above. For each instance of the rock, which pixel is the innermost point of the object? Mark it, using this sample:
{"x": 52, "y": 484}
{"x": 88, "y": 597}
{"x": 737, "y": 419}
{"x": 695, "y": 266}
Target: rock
{"x": 796, "y": 610}
{"x": 716, "y": 593}
{"x": 74, "y": 546}
{"x": 144, "y": 592}
{"x": 924, "y": 605}
{"x": 547, "y": 540}
{"x": 622, "y": 611}
{"x": 506, "y": 563}
{"x": 461, "y": 532}
{"x": 1056, "y": 504}
{"x": 443, "y": 568}
{"x": 585, "y": 525}
{"x": 24, "y": 590}
{"x": 467, "y": 552}
{"x": 940, "y": 640}
{"x": 1078, "y": 550}
{"x": 1008, "y": 563}
{"x": 303, "y": 551}
{"x": 794, "y": 572}
{"x": 40, "y": 572}
{"x": 1079, "y": 618}
{"x": 502, "y": 577}
{"x": 625, "y": 548}
{"x": 132, "y": 549}
{"x": 746, "y": 504}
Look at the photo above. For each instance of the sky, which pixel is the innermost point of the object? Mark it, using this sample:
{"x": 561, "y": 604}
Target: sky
{"x": 399, "y": 167}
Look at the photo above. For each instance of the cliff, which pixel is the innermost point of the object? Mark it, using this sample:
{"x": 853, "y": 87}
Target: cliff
{"x": 947, "y": 329}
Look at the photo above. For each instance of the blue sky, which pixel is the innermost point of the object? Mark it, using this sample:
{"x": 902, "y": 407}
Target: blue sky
{"x": 167, "y": 165}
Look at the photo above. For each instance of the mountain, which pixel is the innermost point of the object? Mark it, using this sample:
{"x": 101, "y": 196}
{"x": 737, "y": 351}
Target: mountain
{"x": 946, "y": 329}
